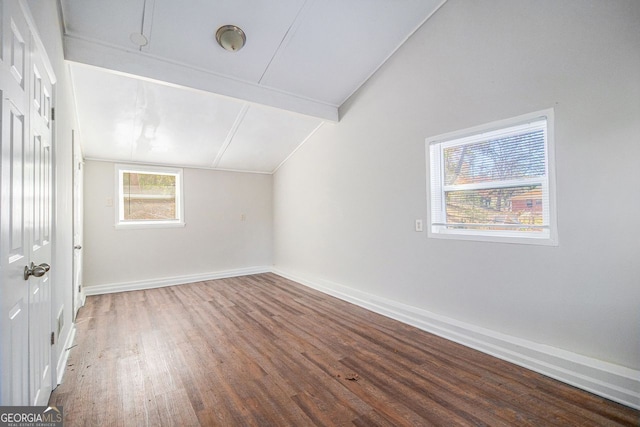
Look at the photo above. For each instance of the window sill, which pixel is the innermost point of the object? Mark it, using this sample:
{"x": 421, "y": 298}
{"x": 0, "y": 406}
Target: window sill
{"x": 543, "y": 240}
{"x": 142, "y": 225}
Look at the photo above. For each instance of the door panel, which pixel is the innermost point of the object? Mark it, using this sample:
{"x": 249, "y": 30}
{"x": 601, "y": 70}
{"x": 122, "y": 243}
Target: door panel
{"x": 17, "y": 377}
{"x": 18, "y": 48}
{"x": 25, "y": 214}
{"x": 17, "y": 146}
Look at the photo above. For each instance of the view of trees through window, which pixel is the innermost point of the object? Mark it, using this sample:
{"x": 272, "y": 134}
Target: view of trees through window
{"x": 497, "y": 208}
{"x": 496, "y": 184}
{"x": 149, "y": 196}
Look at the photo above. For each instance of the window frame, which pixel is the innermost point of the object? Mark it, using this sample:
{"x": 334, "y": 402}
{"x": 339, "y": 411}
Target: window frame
{"x": 435, "y": 185}
{"x": 121, "y": 223}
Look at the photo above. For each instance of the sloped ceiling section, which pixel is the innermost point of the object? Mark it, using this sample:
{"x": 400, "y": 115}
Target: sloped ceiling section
{"x": 126, "y": 119}
{"x": 181, "y": 99}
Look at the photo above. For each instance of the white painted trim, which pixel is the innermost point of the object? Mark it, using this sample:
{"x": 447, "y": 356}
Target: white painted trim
{"x": 93, "y": 159}
{"x": 79, "y": 302}
{"x": 160, "y": 70}
{"x": 171, "y": 281}
{"x": 64, "y": 354}
{"x": 608, "y": 380}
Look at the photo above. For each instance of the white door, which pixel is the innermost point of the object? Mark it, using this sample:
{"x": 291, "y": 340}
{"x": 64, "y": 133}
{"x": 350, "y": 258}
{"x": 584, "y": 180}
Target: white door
{"x": 14, "y": 238}
{"x": 40, "y": 244}
{"x": 25, "y": 215}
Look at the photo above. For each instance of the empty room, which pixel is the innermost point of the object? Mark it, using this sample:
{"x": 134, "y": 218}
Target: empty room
{"x": 309, "y": 212}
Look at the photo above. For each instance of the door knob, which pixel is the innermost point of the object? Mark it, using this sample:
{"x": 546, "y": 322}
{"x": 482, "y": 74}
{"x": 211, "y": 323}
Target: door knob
{"x": 35, "y": 270}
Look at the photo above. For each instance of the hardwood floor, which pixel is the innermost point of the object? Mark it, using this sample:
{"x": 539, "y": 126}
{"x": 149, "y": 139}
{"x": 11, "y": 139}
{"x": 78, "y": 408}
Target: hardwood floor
{"x": 262, "y": 350}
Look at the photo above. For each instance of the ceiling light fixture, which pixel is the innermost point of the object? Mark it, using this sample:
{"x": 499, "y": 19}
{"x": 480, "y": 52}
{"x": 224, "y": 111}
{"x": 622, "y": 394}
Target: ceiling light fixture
{"x": 231, "y": 38}
{"x": 138, "y": 39}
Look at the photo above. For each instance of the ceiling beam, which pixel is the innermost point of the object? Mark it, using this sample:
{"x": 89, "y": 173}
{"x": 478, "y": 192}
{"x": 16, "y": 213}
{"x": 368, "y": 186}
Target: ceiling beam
{"x": 144, "y": 65}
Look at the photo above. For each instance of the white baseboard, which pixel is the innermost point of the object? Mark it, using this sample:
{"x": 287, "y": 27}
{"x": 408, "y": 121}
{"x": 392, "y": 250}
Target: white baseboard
{"x": 79, "y": 302}
{"x": 171, "y": 281}
{"x": 608, "y": 380}
{"x": 64, "y": 354}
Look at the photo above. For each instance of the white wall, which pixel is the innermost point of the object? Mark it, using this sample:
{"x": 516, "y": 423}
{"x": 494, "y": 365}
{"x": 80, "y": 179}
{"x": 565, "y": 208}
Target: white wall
{"x": 214, "y": 240}
{"x": 345, "y": 203}
{"x": 47, "y": 20}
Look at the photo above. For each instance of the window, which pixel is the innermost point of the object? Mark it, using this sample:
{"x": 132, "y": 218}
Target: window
{"x": 494, "y": 182}
{"x": 148, "y": 197}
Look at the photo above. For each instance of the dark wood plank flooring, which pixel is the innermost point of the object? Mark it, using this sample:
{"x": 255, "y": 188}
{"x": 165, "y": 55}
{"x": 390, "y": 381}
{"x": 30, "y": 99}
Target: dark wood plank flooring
{"x": 264, "y": 351}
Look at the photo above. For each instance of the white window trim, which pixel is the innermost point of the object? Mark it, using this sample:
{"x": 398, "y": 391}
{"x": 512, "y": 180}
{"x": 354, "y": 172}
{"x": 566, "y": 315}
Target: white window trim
{"x": 121, "y": 224}
{"x": 548, "y": 239}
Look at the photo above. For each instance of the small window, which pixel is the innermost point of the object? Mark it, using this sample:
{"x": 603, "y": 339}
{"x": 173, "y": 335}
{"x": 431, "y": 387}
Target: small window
{"x": 494, "y": 182}
{"x": 148, "y": 197}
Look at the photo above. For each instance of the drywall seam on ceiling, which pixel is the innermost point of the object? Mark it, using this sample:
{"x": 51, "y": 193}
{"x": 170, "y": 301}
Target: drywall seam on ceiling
{"x": 232, "y": 132}
{"x": 402, "y": 42}
{"x": 298, "y": 147}
{"x": 287, "y": 36}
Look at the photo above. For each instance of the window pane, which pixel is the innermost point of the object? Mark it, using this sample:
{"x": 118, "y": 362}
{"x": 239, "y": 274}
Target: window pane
{"x": 511, "y": 206}
{"x": 149, "y": 196}
{"x": 512, "y": 157}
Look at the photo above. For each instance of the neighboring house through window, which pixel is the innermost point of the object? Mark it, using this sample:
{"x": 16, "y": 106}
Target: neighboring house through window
{"x": 148, "y": 196}
{"x": 494, "y": 182}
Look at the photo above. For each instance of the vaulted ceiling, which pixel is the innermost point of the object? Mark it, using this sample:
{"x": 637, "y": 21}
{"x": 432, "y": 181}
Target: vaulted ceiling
{"x": 153, "y": 86}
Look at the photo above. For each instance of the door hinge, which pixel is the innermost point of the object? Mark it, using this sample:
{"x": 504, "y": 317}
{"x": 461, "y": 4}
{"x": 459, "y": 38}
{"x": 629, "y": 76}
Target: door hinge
{"x": 53, "y": 338}
{"x": 53, "y": 113}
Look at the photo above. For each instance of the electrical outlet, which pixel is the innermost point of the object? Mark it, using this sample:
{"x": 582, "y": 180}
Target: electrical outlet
{"x": 109, "y": 202}
{"x": 418, "y": 225}
{"x": 243, "y": 217}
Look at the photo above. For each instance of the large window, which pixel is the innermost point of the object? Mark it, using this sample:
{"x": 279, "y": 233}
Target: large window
{"x": 148, "y": 197}
{"x": 494, "y": 182}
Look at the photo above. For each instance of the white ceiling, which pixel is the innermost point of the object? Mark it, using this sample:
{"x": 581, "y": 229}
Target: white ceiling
{"x": 183, "y": 100}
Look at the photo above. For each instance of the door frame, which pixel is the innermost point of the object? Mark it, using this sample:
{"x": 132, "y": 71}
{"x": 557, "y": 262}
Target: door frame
{"x": 77, "y": 202}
